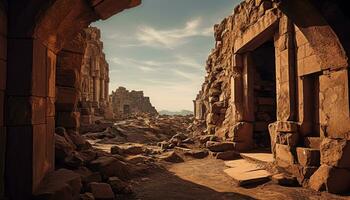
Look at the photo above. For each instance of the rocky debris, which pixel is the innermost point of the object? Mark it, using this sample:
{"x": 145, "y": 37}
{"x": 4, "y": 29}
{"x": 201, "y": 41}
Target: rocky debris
{"x": 331, "y": 179}
{"x": 198, "y": 154}
{"x": 171, "y": 157}
{"x": 204, "y": 139}
{"x": 220, "y": 146}
{"x": 101, "y": 191}
{"x": 110, "y": 166}
{"x": 119, "y": 186}
{"x": 58, "y": 185}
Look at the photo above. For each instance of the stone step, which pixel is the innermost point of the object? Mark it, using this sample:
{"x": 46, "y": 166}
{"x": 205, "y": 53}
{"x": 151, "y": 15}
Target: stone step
{"x": 246, "y": 173}
{"x": 260, "y": 158}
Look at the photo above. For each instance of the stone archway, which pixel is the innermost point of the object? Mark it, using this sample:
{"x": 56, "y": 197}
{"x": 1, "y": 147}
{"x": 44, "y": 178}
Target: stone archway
{"x": 37, "y": 31}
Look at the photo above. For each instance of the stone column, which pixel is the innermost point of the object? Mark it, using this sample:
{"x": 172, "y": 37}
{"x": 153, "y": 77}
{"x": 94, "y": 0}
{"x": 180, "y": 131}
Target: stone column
{"x": 94, "y": 85}
{"x": 29, "y": 115}
{"x": 285, "y": 71}
{"x": 102, "y": 90}
{"x": 107, "y": 90}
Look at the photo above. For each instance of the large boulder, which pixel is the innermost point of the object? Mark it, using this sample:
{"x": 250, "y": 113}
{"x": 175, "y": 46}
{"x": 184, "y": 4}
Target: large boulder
{"x": 59, "y": 185}
{"x": 220, "y": 146}
{"x": 62, "y": 148}
{"x": 331, "y": 179}
{"x": 119, "y": 186}
{"x": 335, "y": 152}
{"x": 110, "y": 166}
{"x": 101, "y": 191}
{"x": 171, "y": 157}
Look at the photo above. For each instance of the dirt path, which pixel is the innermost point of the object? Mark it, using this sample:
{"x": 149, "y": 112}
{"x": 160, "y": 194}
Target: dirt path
{"x": 204, "y": 179}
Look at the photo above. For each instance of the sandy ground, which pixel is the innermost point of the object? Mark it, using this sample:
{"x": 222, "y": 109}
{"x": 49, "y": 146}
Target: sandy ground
{"x": 204, "y": 179}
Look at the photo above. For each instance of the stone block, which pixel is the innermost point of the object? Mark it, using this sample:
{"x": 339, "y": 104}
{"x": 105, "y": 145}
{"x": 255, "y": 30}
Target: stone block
{"x": 212, "y": 118}
{"x": 51, "y": 74}
{"x": 38, "y": 74}
{"x": 284, "y": 155}
{"x": 50, "y": 112}
{"x": 308, "y": 157}
{"x": 334, "y": 104}
{"x": 331, "y": 179}
{"x": 58, "y": 185}
{"x": 243, "y": 132}
{"x": 335, "y": 153}
{"x": 290, "y": 139}
{"x": 109, "y": 166}
{"x": 2, "y": 98}
{"x": 67, "y": 78}
{"x": 68, "y": 119}
{"x": 2, "y": 75}
{"x": 3, "y": 47}
{"x": 2, "y": 158}
{"x": 287, "y": 126}
{"x": 219, "y": 146}
{"x": 26, "y": 110}
{"x": 312, "y": 142}
{"x": 67, "y": 99}
{"x": 101, "y": 191}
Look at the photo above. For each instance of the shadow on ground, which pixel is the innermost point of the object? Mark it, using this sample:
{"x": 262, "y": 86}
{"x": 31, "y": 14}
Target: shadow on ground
{"x": 165, "y": 185}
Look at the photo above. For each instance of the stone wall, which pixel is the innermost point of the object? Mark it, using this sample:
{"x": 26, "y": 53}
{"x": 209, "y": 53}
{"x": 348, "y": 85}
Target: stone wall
{"x": 3, "y": 59}
{"x": 94, "y": 98}
{"x": 126, "y": 102}
{"x": 283, "y": 81}
{"x": 35, "y": 32}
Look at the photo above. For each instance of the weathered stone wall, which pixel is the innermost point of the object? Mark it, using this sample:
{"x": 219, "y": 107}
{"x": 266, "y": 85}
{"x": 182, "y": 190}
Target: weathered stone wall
{"x": 126, "y": 102}
{"x": 94, "y": 98}
{"x": 3, "y": 63}
{"x": 294, "y": 94}
{"x": 36, "y": 31}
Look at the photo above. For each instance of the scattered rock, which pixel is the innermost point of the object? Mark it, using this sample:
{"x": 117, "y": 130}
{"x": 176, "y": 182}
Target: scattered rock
{"x": 199, "y": 154}
{"x": 171, "y": 157}
{"x": 119, "y": 187}
{"x": 219, "y": 146}
{"x": 109, "y": 166}
{"x": 331, "y": 179}
{"x": 101, "y": 191}
{"x": 132, "y": 150}
{"x": 116, "y": 150}
{"x": 59, "y": 185}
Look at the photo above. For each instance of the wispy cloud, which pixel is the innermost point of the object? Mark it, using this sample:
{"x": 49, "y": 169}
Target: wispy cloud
{"x": 171, "y": 38}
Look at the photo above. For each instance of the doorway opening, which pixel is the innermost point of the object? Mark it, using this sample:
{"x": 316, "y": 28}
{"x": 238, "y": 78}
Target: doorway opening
{"x": 264, "y": 92}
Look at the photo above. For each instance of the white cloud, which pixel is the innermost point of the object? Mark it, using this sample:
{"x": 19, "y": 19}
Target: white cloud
{"x": 171, "y": 38}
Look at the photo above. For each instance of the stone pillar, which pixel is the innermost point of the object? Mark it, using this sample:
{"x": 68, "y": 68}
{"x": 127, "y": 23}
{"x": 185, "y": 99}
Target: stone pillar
{"x": 68, "y": 86}
{"x": 3, "y": 65}
{"x": 285, "y": 71}
{"x": 29, "y": 116}
{"x": 102, "y": 90}
{"x": 94, "y": 86}
{"x": 107, "y": 90}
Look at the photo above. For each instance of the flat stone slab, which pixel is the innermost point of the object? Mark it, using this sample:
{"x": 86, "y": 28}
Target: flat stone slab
{"x": 262, "y": 157}
{"x": 246, "y": 173}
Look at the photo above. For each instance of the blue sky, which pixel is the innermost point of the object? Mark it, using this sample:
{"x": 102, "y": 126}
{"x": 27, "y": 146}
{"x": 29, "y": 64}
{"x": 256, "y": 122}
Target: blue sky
{"x": 161, "y": 48}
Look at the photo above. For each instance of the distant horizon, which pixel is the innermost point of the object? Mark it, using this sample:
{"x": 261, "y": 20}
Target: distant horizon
{"x": 161, "y": 48}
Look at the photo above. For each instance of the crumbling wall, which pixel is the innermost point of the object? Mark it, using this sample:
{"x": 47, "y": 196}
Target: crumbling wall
{"x": 94, "y": 98}
{"x": 310, "y": 134}
{"x": 126, "y": 102}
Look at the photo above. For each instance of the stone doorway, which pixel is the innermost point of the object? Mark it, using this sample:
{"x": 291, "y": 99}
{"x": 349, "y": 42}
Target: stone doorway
{"x": 264, "y": 78}
{"x": 126, "y": 109}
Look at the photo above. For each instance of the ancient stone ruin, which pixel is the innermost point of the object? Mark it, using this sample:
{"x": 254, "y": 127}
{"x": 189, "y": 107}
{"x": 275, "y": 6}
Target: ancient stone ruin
{"x": 278, "y": 78}
{"x": 277, "y": 81}
{"x": 125, "y": 103}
